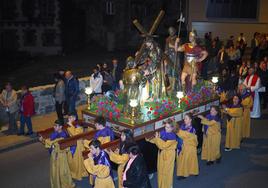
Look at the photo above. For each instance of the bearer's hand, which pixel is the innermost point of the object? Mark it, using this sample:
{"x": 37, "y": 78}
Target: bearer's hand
{"x": 147, "y": 139}
{"x": 116, "y": 150}
{"x": 41, "y": 139}
{"x": 177, "y": 40}
{"x": 156, "y": 135}
{"x": 107, "y": 151}
{"x": 90, "y": 155}
{"x": 200, "y": 116}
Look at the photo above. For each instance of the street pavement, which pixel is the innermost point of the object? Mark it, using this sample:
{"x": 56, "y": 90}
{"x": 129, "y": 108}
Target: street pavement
{"x": 28, "y": 166}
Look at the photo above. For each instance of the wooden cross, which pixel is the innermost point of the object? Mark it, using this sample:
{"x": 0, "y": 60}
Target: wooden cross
{"x": 146, "y": 34}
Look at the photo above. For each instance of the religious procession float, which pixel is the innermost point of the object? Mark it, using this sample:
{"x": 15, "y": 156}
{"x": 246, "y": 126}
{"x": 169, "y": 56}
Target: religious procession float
{"x": 154, "y": 88}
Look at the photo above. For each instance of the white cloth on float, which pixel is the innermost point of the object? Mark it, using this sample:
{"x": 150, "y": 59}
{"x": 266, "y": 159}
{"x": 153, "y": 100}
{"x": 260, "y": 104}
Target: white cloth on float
{"x": 256, "y": 110}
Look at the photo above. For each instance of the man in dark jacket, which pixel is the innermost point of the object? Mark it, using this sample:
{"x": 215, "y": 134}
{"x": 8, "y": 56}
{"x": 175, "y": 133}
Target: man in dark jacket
{"x": 135, "y": 171}
{"x": 116, "y": 73}
{"x": 71, "y": 92}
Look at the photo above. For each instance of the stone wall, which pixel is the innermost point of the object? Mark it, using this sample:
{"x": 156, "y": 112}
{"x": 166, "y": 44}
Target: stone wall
{"x": 44, "y": 100}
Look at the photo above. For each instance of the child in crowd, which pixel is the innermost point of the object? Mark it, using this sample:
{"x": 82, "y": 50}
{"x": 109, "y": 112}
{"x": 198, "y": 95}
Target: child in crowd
{"x": 187, "y": 163}
{"x": 234, "y": 115}
{"x": 104, "y": 133}
{"x": 120, "y": 156}
{"x": 212, "y": 136}
{"x": 54, "y": 137}
{"x": 247, "y": 103}
{"x": 166, "y": 141}
{"x": 98, "y": 166}
{"x": 73, "y": 127}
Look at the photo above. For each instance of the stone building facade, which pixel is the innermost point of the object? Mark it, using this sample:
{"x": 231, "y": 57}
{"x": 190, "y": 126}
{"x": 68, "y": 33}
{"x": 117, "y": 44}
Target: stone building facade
{"x": 31, "y": 26}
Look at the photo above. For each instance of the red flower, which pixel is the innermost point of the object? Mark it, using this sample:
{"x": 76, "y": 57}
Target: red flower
{"x": 155, "y": 113}
{"x": 151, "y": 108}
{"x": 97, "y": 111}
{"x": 169, "y": 102}
{"x": 164, "y": 101}
{"x": 160, "y": 116}
{"x": 110, "y": 115}
{"x": 157, "y": 107}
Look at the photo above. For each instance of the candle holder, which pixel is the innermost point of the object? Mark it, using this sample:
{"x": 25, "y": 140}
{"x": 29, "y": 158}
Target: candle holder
{"x": 215, "y": 80}
{"x": 88, "y": 91}
{"x": 133, "y": 103}
{"x": 179, "y": 96}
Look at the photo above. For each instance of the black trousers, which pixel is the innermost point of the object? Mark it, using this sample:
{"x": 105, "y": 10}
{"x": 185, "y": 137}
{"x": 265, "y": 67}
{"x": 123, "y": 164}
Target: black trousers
{"x": 199, "y": 133}
{"x": 59, "y": 110}
{"x": 12, "y": 124}
{"x": 263, "y": 98}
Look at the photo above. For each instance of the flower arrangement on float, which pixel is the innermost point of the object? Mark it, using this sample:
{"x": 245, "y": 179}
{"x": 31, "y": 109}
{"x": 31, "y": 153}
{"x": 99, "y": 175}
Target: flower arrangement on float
{"x": 108, "y": 109}
{"x": 161, "y": 108}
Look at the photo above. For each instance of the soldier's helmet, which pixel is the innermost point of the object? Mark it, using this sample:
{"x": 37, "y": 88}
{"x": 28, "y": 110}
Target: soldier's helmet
{"x": 131, "y": 62}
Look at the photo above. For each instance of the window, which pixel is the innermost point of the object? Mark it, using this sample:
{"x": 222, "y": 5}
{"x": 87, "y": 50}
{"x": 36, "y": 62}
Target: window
{"x": 48, "y": 37}
{"x": 110, "y": 8}
{"x": 47, "y": 9}
{"x": 245, "y": 9}
{"x": 29, "y": 37}
{"x": 8, "y": 9}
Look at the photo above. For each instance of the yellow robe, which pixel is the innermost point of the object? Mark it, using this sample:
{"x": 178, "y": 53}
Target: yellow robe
{"x": 102, "y": 173}
{"x": 247, "y": 104}
{"x": 72, "y": 130}
{"x": 187, "y": 163}
{"x": 165, "y": 161}
{"x": 121, "y": 160}
{"x": 234, "y": 128}
{"x": 60, "y": 175}
{"x": 211, "y": 141}
{"x": 49, "y": 143}
{"x": 76, "y": 164}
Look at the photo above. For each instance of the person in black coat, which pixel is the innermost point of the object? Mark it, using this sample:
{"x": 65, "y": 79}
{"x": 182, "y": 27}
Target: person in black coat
{"x": 262, "y": 72}
{"x": 135, "y": 171}
{"x": 116, "y": 72}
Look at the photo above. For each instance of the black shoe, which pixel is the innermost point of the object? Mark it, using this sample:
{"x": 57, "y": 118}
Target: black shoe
{"x": 181, "y": 178}
{"x": 20, "y": 134}
{"x": 210, "y": 163}
{"x": 29, "y": 133}
{"x": 218, "y": 161}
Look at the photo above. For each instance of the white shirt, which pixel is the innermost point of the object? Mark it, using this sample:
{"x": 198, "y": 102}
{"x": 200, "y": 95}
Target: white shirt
{"x": 96, "y": 83}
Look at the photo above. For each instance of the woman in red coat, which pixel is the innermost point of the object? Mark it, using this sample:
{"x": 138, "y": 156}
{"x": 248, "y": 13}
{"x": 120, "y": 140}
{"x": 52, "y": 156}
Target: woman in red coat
{"x": 26, "y": 110}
